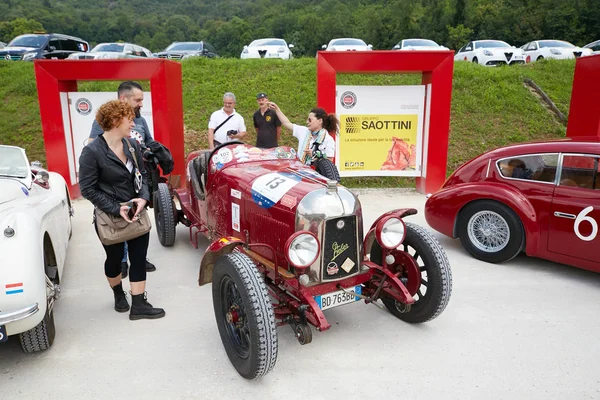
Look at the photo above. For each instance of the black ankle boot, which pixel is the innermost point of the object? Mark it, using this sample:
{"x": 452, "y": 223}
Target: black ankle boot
{"x": 140, "y": 308}
{"x": 121, "y": 304}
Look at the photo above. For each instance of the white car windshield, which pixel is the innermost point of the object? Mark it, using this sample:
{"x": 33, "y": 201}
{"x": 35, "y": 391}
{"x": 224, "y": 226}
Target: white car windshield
{"x": 268, "y": 42}
{"x": 554, "y": 43}
{"x": 184, "y": 47}
{"x": 348, "y": 42}
{"x": 109, "y": 47}
{"x": 486, "y": 44}
{"x": 13, "y": 163}
{"x": 28, "y": 41}
{"x": 420, "y": 42}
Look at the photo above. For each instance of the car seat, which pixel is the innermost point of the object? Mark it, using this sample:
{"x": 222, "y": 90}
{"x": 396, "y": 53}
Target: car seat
{"x": 198, "y": 173}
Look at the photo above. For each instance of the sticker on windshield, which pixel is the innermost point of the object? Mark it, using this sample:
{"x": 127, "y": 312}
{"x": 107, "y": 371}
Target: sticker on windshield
{"x": 270, "y": 188}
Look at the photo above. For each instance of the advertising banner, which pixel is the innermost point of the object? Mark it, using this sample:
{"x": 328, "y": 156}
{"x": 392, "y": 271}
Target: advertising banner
{"x": 381, "y": 130}
{"x": 79, "y": 112}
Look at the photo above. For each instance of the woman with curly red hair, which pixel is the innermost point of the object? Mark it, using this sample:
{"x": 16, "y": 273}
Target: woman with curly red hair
{"x": 111, "y": 172}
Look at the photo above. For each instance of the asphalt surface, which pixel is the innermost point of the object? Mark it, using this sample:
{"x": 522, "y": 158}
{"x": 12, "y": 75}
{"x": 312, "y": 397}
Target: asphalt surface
{"x": 529, "y": 329}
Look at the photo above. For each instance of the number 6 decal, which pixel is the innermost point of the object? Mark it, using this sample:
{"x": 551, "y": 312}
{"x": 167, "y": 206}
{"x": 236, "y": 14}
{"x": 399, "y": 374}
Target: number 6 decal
{"x": 582, "y": 216}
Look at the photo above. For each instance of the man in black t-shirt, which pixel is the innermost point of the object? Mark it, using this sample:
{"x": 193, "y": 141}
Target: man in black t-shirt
{"x": 268, "y": 126}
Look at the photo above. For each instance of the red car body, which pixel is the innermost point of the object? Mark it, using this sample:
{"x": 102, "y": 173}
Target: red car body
{"x": 555, "y": 199}
{"x": 262, "y": 210}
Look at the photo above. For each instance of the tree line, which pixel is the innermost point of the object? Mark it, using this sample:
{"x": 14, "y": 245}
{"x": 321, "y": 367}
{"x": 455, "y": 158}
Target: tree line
{"x": 230, "y": 24}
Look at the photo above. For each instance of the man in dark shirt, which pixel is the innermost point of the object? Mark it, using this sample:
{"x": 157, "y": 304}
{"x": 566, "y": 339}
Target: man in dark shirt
{"x": 268, "y": 126}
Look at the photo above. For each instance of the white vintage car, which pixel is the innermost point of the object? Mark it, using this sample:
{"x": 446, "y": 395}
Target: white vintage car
{"x": 268, "y": 48}
{"x": 35, "y": 221}
{"x": 556, "y": 49}
{"x": 490, "y": 53}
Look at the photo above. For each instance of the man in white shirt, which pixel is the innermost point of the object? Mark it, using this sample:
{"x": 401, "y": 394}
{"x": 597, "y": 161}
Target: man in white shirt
{"x": 225, "y": 124}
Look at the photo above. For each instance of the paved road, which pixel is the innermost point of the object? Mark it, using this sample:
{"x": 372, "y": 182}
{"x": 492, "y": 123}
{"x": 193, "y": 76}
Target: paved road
{"x": 525, "y": 330}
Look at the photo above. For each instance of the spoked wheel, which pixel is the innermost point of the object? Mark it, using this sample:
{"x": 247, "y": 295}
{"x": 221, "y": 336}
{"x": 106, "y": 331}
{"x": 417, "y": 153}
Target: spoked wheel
{"x": 244, "y": 315}
{"x": 42, "y": 335}
{"x": 490, "y": 231}
{"x": 427, "y": 258}
{"x": 325, "y": 167}
{"x": 164, "y": 215}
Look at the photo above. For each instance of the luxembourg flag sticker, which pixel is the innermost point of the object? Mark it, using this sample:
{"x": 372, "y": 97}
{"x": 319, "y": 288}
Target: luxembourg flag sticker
{"x": 14, "y": 288}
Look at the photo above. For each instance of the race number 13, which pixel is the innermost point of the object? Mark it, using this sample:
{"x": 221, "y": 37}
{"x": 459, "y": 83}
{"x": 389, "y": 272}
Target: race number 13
{"x": 583, "y": 217}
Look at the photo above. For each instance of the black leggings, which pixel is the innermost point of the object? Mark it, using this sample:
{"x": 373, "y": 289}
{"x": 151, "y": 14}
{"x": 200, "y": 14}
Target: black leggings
{"x": 138, "y": 248}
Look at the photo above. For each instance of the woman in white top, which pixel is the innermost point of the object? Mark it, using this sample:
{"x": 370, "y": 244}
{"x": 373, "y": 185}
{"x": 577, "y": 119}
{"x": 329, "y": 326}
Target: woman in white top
{"x": 318, "y": 126}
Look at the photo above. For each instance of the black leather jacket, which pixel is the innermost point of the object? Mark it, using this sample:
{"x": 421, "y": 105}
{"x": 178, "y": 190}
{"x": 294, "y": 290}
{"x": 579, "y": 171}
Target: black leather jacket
{"x": 105, "y": 180}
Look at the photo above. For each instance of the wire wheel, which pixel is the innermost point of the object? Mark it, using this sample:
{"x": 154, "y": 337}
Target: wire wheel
{"x": 233, "y": 313}
{"x": 488, "y": 231}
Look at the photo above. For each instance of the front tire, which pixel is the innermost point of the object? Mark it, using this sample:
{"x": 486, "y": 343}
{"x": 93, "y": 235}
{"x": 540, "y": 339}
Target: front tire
{"x": 164, "y": 214}
{"x": 540, "y": 58}
{"x": 325, "y": 167}
{"x": 491, "y": 231}
{"x": 244, "y": 315}
{"x": 433, "y": 294}
{"x": 475, "y": 60}
{"x": 41, "y": 336}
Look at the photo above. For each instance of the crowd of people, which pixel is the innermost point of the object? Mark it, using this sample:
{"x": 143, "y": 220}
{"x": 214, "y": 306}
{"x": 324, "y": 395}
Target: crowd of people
{"x": 112, "y": 179}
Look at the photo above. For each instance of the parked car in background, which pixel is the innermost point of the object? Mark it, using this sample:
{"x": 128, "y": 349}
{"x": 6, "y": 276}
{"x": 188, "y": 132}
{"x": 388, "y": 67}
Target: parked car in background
{"x": 2, "y": 45}
{"x": 35, "y": 221}
{"x": 418, "y": 44}
{"x": 184, "y": 50}
{"x": 43, "y": 46}
{"x": 111, "y": 51}
{"x": 556, "y": 49}
{"x": 542, "y": 198}
{"x": 267, "y": 48}
{"x": 347, "y": 44}
{"x": 594, "y": 46}
{"x": 490, "y": 53}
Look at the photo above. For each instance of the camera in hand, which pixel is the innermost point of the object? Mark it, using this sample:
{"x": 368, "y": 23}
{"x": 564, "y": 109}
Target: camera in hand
{"x": 232, "y": 132}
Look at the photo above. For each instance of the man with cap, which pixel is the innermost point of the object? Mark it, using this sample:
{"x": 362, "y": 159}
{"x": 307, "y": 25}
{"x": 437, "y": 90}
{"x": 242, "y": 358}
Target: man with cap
{"x": 268, "y": 126}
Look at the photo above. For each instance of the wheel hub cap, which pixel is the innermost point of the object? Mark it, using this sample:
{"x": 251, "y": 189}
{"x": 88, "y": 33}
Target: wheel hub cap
{"x": 488, "y": 231}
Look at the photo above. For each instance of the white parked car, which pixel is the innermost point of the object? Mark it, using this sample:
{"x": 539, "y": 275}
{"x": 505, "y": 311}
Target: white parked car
{"x": 418, "y": 44}
{"x": 490, "y": 53}
{"x": 556, "y": 49}
{"x": 347, "y": 44}
{"x": 35, "y": 226}
{"x": 594, "y": 46}
{"x": 268, "y": 48}
{"x": 113, "y": 51}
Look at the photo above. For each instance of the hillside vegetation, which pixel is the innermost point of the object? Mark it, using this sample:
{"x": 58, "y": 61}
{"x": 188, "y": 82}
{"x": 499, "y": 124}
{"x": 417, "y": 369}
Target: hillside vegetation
{"x": 308, "y": 24}
{"x": 490, "y": 106}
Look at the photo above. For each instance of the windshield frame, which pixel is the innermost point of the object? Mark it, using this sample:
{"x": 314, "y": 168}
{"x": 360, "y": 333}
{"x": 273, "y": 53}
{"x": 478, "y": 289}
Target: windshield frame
{"x": 545, "y": 44}
{"x": 41, "y": 41}
{"x": 14, "y": 155}
{"x": 341, "y": 42}
{"x": 485, "y": 44}
{"x": 420, "y": 43}
{"x": 174, "y": 46}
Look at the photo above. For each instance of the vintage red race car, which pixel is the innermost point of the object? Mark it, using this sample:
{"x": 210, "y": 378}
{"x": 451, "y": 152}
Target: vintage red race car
{"x": 287, "y": 244}
{"x": 542, "y": 198}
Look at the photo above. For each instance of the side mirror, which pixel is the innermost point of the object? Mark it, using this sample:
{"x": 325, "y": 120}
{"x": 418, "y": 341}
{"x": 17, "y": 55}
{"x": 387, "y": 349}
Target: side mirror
{"x": 246, "y": 46}
{"x": 370, "y": 46}
{"x": 396, "y": 47}
{"x": 468, "y": 49}
{"x": 324, "y": 46}
{"x": 51, "y": 48}
{"x": 42, "y": 178}
{"x": 291, "y": 46}
{"x": 129, "y": 53}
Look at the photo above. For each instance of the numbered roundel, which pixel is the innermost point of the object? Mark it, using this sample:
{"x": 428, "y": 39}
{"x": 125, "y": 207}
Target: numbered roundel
{"x": 270, "y": 188}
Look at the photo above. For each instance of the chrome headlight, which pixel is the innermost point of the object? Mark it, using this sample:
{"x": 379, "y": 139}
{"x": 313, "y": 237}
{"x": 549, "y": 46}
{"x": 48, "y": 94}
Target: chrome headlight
{"x": 302, "y": 249}
{"x": 29, "y": 56}
{"x": 488, "y": 53}
{"x": 555, "y": 52}
{"x": 281, "y": 49}
{"x": 390, "y": 232}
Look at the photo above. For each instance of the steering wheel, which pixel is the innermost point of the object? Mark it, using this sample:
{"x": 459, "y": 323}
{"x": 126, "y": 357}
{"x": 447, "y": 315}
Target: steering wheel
{"x": 220, "y": 146}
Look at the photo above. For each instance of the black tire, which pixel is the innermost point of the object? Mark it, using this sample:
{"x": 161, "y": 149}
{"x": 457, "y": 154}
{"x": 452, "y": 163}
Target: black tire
{"x": 475, "y": 60}
{"x": 325, "y": 167}
{"x": 164, "y": 215}
{"x": 503, "y": 237}
{"x": 41, "y": 336}
{"x": 539, "y": 58}
{"x": 251, "y": 340}
{"x": 436, "y": 276}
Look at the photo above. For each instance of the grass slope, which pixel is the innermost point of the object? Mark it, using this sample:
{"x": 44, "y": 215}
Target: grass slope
{"x": 490, "y": 106}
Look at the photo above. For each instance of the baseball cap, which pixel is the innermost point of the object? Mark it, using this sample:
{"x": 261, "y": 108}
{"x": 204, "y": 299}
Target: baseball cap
{"x": 261, "y": 95}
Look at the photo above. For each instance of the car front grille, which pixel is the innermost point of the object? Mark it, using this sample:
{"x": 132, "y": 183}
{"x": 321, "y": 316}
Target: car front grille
{"x": 577, "y": 53}
{"x": 11, "y": 57}
{"x": 162, "y": 56}
{"x": 339, "y": 251}
{"x": 175, "y": 56}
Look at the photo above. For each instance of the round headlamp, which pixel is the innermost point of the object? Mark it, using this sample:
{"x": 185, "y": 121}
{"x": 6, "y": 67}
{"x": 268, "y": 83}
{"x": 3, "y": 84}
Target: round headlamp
{"x": 302, "y": 249}
{"x": 390, "y": 232}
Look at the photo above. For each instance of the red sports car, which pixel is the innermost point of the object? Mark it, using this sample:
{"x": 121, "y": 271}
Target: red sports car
{"x": 542, "y": 198}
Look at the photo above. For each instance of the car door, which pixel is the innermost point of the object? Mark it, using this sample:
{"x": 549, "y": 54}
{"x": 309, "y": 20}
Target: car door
{"x": 575, "y": 213}
{"x": 53, "y": 49}
{"x": 467, "y": 52}
{"x": 530, "y": 52}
